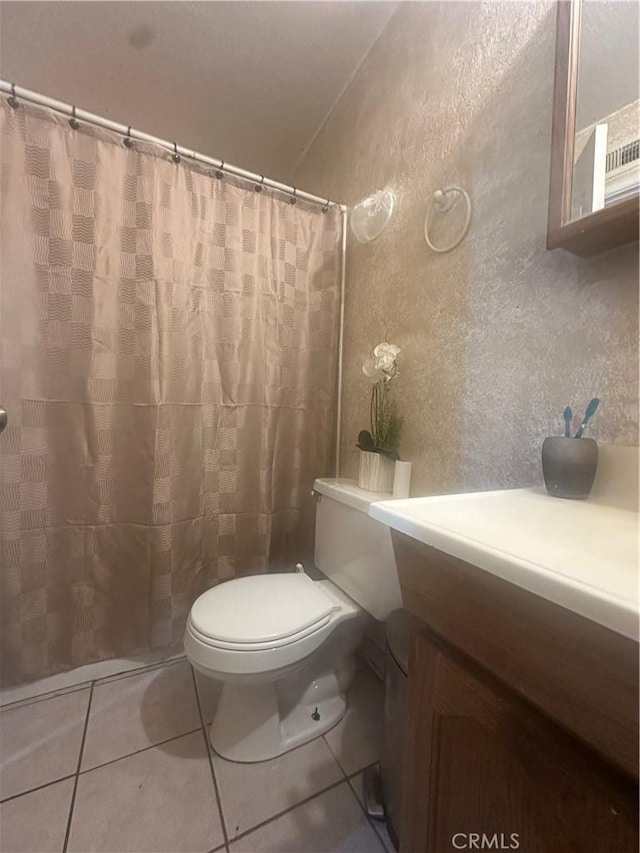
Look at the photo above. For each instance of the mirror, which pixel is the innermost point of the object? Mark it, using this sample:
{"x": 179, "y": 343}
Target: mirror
{"x": 595, "y": 156}
{"x": 606, "y": 164}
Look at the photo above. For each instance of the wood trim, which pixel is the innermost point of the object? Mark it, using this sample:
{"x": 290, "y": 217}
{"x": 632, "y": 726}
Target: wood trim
{"x": 417, "y": 820}
{"x": 580, "y": 674}
{"x": 605, "y": 229}
{"x": 616, "y": 225}
{"x": 565, "y": 90}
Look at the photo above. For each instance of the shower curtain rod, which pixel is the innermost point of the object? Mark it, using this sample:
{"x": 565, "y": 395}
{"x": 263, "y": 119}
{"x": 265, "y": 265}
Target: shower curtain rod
{"x": 17, "y": 93}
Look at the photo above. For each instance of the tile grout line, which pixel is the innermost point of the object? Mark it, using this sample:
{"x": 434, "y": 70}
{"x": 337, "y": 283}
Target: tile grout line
{"x": 311, "y": 796}
{"x": 303, "y": 801}
{"x": 336, "y": 759}
{"x": 99, "y": 766}
{"x": 121, "y": 676}
{"x": 371, "y": 821}
{"x": 292, "y": 808}
{"x": 348, "y": 779}
{"x": 138, "y": 751}
{"x": 241, "y": 835}
{"x": 223, "y": 823}
{"x": 37, "y": 788}
{"x": 193, "y": 731}
{"x": 77, "y": 775}
{"x": 362, "y": 769}
{"x": 42, "y": 697}
{"x": 84, "y": 685}
{"x": 91, "y": 685}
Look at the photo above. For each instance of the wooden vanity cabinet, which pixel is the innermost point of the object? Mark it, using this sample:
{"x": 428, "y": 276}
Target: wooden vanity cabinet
{"x": 486, "y": 768}
{"x": 480, "y": 761}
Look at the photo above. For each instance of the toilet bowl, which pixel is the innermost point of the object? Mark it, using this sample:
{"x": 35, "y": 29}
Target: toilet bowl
{"x": 283, "y": 644}
{"x": 283, "y": 647}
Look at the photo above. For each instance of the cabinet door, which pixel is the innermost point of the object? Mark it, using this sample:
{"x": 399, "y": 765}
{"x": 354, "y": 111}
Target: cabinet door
{"x": 485, "y": 771}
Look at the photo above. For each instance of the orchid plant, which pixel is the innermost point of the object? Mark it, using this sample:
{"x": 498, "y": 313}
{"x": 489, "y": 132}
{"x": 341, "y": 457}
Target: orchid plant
{"x": 381, "y": 368}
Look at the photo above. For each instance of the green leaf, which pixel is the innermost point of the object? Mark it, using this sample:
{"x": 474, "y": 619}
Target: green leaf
{"x": 365, "y": 440}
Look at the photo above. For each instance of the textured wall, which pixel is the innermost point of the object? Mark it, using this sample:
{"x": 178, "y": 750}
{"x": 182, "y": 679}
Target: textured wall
{"x": 500, "y": 334}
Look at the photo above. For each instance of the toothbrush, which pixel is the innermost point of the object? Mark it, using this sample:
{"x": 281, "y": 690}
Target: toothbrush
{"x": 567, "y": 415}
{"x": 589, "y": 413}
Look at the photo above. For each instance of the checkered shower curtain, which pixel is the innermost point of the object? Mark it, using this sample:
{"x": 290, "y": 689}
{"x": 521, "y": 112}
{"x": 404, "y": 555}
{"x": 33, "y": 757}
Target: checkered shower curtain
{"x": 168, "y": 365}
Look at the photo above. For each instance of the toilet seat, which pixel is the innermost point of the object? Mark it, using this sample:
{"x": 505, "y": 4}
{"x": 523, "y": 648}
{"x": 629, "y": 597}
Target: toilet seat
{"x": 261, "y": 611}
{"x": 266, "y": 644}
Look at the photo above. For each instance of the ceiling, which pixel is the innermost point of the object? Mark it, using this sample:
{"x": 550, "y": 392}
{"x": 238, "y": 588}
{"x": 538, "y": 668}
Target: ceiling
{"x": 250, "y": 82}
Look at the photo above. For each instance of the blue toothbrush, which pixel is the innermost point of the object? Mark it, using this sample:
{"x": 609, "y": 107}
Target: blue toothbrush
{"x": 589, "y": 413}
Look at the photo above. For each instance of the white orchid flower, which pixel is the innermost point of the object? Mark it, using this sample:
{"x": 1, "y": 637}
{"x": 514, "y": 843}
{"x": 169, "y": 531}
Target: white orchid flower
{"x": 385, "y": 356}
{"x": 382, "y": 366}
{"x": 372, "y": 371}
{"x": 386, "y": 349}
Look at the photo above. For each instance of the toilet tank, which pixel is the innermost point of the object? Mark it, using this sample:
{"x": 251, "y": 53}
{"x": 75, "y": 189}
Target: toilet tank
{"x": 354, "y": 551}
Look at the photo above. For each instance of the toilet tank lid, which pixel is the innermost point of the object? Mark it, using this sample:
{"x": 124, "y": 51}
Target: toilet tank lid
{"x": 348, "y": 492}
{"x": 261, "y": 608}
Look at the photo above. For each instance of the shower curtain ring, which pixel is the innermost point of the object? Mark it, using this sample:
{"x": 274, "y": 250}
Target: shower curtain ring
{"x": 73, "y": 121}
{"x": 128, "y": 141}
{"x": 13, "y": 102}
{"x": 175, "y": 156}
{"x": 325, "y": 207}
{"x": 293, "y": 199}
{"x": 219, "y": 171}
{"x": 258, "y": 187}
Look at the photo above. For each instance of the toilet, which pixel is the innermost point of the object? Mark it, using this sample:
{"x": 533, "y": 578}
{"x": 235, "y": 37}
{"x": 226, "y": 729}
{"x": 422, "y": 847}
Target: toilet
{"x": 283, "y": 644}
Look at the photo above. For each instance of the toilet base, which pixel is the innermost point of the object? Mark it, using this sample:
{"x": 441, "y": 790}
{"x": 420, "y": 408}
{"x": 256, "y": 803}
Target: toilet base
{"x": 256, "y": 722}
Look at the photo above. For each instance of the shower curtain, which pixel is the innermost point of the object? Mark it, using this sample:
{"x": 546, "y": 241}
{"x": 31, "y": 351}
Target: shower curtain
{"x": 169, "y": 346}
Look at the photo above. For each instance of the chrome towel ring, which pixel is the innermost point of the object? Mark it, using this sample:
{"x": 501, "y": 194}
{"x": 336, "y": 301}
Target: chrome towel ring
{"x": 442, "y": 202}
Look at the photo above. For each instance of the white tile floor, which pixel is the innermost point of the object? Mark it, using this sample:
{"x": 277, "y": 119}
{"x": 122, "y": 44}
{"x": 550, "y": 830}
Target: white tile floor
{"x": 124, "y": 764}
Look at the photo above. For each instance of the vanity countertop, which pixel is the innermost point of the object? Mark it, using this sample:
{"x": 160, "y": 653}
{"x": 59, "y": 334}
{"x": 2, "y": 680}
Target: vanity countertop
{"x": 582, "y": 555}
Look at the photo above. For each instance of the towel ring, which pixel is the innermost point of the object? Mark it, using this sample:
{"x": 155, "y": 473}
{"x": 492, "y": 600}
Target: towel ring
{"x": 442, "y": 202}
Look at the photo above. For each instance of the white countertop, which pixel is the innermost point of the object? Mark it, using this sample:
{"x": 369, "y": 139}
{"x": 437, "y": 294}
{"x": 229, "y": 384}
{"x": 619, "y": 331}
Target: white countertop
{"x": 582, "y": 555}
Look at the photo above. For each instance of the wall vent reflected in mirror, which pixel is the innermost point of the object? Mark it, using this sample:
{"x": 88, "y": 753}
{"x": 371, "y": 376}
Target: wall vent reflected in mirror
{"x": 623, "y": 172}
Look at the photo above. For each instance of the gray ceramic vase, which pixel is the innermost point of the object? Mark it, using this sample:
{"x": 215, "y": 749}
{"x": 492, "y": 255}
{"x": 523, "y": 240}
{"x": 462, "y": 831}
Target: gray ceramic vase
{"x": 569, "y": 466}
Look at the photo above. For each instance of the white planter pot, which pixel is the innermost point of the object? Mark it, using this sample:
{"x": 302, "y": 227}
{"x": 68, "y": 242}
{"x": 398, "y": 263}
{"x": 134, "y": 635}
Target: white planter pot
{"x": 376, "y": 472}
